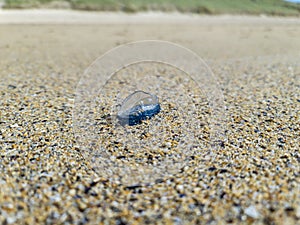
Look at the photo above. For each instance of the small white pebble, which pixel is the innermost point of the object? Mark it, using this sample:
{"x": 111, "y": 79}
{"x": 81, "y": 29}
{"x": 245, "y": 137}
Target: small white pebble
{"x": 164, "y": 199}
{"x": 72, "y": 192}
{"x": 168, "y": 144}
{"x": 15, "y": 125}
{"x": 180, "y": 187}
{"x": 298, "y": 212}
{"x": 10, "y": 220}
{"x": 252, "y": 212}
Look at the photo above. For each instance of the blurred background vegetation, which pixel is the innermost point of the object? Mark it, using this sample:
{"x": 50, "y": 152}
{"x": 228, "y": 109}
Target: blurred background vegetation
{"x": 255, "y": 7}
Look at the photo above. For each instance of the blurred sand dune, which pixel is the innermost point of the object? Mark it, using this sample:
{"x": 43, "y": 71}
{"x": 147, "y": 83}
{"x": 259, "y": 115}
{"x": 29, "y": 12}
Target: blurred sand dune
{"x": 49, "y": 16}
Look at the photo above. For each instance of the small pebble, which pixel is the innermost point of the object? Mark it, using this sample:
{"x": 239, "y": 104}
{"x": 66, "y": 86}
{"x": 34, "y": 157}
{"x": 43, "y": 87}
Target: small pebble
{"x": 252, "y": 212}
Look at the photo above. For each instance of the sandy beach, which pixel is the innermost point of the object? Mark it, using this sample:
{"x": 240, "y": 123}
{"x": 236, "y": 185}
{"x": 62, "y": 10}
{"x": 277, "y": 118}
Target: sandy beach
{"x": 254, "y": 177}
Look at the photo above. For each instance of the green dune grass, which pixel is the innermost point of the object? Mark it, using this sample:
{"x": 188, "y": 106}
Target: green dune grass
{"x": 269, "y": 7}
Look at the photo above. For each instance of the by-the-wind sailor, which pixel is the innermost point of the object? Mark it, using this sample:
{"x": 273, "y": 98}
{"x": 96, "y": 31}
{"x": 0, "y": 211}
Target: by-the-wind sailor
{"x": 138, "y": 106}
